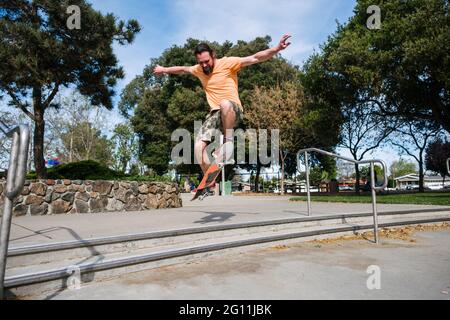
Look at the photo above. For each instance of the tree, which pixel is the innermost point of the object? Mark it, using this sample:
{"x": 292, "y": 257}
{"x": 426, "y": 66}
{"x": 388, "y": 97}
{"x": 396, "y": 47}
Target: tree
{"x": 412, "y": 138}
{"x": 277, "y": 108}
{"x": 40, "y": 54}
{"x": 362, "y": 131}
{"x": 85, "y": 142}
{"x": 125, "y": 146}
{"x": 403, "y": 67}
{"x": 402, "y": 167}
{"x": 437, "y": 153}
{"x": 75, "y": 132}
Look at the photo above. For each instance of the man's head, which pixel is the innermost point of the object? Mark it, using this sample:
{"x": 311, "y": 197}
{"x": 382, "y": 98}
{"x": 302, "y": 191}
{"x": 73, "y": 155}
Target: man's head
{"x": 205, "y": 57}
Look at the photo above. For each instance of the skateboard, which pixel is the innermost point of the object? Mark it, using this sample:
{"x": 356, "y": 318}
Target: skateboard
{"x": 212, "y": 173}
{"x": 208, "y": 179}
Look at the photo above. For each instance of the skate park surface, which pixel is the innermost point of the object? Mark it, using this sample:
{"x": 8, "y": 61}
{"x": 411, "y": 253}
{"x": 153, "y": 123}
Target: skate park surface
{"x": 287, "y": 269}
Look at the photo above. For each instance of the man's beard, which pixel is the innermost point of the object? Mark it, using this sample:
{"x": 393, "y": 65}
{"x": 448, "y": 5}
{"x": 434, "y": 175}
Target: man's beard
{"x": 207, "y": 70}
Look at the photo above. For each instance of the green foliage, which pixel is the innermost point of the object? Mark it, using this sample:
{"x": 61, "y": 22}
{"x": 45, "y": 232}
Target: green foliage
{"x": 39, "y": 55}
{"x": 83, "y": 170}
{"x": 402, "y": 167}
{"x": 401, "y": 68}
{"x": 93, "y": 170}
{"x": 437, "y": 153}
{"x": 85, "y": 142}
{"x": 125, "y": 147}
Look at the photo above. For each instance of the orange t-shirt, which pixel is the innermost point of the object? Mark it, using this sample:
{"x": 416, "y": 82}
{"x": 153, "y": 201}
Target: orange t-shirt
{"x": 222, "y": 83}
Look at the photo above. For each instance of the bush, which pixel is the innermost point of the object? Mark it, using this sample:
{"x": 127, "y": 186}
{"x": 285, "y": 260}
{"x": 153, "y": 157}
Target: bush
{"x": 82, "y": 170}
{"x": 93, "y": 170}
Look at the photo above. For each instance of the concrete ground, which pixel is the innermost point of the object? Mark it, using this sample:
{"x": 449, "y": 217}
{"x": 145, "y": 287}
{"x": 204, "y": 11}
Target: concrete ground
{"x": 313, "y": 270}
{"x": 31, "y": 230}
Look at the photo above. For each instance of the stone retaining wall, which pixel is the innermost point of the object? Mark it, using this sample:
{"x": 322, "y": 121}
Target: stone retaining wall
{"x": 41, "y": 197}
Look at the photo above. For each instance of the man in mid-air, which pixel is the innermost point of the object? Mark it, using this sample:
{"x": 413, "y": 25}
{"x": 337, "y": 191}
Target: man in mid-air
{"x": 219, "y": 80}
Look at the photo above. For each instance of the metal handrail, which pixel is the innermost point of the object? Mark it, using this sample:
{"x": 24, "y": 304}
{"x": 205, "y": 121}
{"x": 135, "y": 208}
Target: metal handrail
{"x": 448, "y": 165}
{"x": 372, "y": 179}
{"x": 14, "y": 184}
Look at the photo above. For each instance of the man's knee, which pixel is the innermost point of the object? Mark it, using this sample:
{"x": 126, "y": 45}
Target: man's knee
{"x": 226, "y": 106}
{"x": 199, "y": 146}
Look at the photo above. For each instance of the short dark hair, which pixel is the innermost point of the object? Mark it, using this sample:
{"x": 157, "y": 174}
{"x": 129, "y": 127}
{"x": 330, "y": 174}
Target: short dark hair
{"x": 203, "y": 47}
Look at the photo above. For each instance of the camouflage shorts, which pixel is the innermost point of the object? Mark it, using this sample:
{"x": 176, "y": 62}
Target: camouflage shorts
{"x": 213, "y": 122}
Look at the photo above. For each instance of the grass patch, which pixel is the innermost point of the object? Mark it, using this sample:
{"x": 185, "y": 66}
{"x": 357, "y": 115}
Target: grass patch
{"x": 427, "y": 198}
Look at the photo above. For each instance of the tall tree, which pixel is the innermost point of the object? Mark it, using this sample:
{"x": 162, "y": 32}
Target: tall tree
{"x": 412, "y": 138}
{"x": 362, "y": 132}
{"x": 277, "y": 108}
{"x": 403, "y": 67}
{"x": 40, "y": 53}
{"x": 125, "y": 146}
{"x": 437, "y": 153}
{"x": 84, "y": 141}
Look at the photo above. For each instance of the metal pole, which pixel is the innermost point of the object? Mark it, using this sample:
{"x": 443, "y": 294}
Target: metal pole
{"x": 14, "y": 185}
{"x": 223, "y": 168}
{"x": 448, "y": 165}
{"x": 374, "y": 202}
{"x": 307, "y": 183}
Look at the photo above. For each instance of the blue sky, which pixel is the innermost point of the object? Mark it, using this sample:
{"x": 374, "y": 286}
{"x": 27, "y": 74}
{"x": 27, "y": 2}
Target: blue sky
{"x": 166, "y": 23}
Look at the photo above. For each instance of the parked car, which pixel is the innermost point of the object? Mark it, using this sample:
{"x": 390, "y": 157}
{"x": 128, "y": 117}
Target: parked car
{"x": 345, "y": 188}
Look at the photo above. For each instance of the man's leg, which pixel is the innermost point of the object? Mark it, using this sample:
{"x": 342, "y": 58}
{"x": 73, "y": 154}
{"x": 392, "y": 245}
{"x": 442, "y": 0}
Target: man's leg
{"x": 228, "y": 116}
{"x": 201, "y": 156}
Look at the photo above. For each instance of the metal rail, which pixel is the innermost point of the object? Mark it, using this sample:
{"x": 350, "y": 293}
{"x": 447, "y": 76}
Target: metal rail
{"x": 14, "y": 184}
{"x": 448, "y": 165}
{"x": 372, "y": 180}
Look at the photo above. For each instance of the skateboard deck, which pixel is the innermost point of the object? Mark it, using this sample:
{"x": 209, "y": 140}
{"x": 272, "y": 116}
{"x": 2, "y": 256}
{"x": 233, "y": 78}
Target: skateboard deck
{"x": 224, "y": 158}
{"x": 208, "y": 179}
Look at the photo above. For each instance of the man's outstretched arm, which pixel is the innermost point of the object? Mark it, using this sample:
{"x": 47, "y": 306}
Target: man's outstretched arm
{"x": 159, "y": 70}
{"x": 266, "y": 54}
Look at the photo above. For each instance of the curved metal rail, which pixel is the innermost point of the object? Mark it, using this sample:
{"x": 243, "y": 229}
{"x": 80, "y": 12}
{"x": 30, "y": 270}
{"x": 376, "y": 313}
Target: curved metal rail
{"x": 14, "y": 184}
{"x": 448, "y": 165}
{"x": 372, "y": 179}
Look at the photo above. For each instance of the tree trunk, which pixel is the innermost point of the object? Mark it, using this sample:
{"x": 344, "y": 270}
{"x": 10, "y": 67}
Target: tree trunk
{"x": 71, "y": 147}
{"x": 38, "y": 138}
{"x": 357, "y": 177}
{"x": 282, "y": 174}
{"x": 258, "y": 171}
{"x": 421, "y": 188}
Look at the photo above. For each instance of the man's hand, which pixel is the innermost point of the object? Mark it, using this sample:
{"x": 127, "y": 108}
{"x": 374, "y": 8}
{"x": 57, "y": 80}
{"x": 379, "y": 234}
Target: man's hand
{"x": 283, "y": 44}
{"x": 159, "y": 70}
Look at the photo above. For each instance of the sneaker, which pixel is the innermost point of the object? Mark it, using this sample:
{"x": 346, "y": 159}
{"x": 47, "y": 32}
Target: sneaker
{"x": 206, "y": 193}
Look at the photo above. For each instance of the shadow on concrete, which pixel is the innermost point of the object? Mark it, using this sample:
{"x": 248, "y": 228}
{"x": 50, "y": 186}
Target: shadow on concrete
{"x": 85, "y": 278}
{"x": 214, "y": 217}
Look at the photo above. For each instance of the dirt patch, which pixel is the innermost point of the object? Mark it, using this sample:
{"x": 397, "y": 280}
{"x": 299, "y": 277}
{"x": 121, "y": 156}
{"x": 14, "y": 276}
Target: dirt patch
{"x": 279, "y": 247}
{"x": 402, "y": 233}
